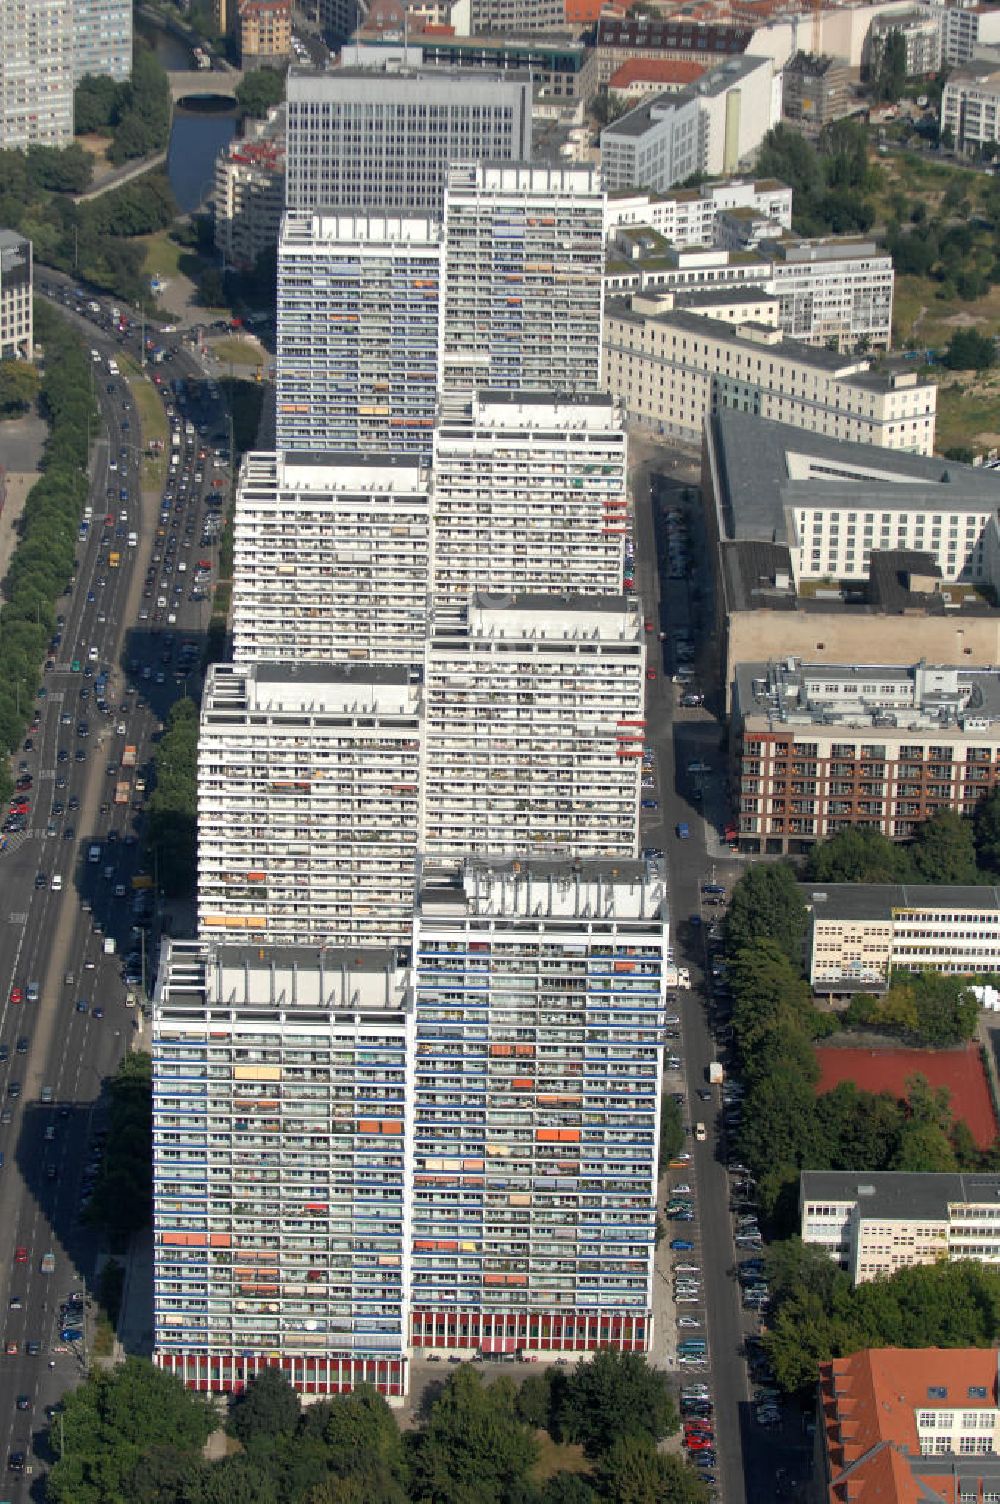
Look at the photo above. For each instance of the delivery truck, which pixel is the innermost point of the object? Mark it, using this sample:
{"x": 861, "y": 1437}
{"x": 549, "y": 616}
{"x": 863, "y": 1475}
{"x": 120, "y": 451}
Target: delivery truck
{"x": 122, "y": 791}
{"x": 128, "y": 755}
{"x": 716, "y": 1073}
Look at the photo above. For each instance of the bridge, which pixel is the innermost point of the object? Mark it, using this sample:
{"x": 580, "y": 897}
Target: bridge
{"x": 223, "y": 82}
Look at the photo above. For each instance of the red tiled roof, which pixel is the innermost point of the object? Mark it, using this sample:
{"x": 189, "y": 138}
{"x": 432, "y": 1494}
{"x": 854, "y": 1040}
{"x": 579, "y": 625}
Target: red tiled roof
{"x": 868, "y": 1403}
{"x": 657, "y": 70}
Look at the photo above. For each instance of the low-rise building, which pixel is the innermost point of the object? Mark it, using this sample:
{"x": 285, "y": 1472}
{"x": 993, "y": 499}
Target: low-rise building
{"x": 641, "y": 76}
{"x": 815, "y": 90}
{"x": 832, "y": 289}
{"x": 920, "y": 30}
{"x": 821, "y": 748}
{"x": 250, "y": 193}
{"x": 671, "y": 367}
{"x": 16, "y": 315}
{"x": 964, "y": 28}
{"x": 970, "y": 104}
{"x": 859, "y": 933}
{"x": 690, "y": 216}
{"x": 908, "y": 1424}
{"x": 711, "y": 127}
{"x": 265, "y": 33}
{"x": 874, "y": 1222}
{"x": 846, "y": 553}
{"x": 616, "y": 39}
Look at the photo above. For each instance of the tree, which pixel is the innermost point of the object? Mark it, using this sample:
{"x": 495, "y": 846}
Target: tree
{"x": 968, "y": 350}
{"x": 671, "y": 1131}
{"x": 634, "y": 1472}
{"x": 123, "y": 1196}
{"x": 944, "y": 851}
{"x": 19, "y": 382}
{"x": 534, "y": 1400}
{"x": 260, "y": 91}
{"x": 173, "y": 803}
{"x": 858, "y": 855}
{"x": 112, "y": 1421}
{"x": 473, "y": 1450}
{"x": 947, "y": 138}
{"x": 767, "y": 905}
{"x": 96, "y": 103}
{"x": 567, "y": 1488}
{"x": 610, "y": 1397}
{"x": 236, "y": 1480}
{"x": 986, "y": 832}
{"x": 269, "y": 1406}
{"x": 362, "y": 1435}
{"x": 890, "y": 75}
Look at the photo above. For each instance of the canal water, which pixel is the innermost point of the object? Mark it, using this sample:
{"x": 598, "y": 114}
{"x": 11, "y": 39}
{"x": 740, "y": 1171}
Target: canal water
{"x": 202, "y": 126}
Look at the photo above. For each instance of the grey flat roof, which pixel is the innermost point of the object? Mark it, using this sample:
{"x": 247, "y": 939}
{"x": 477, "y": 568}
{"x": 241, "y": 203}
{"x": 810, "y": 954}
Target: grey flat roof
{"x": 586, "y": 605}
{"x": 898, "y": 1194}
{"x": 329, "y": 673}
{"x": 809, "y": 355}
{"x": 250, "y": 956}
{"x": 753, "y": 466}
{"x": 346, "y": 459}
{"x": 376, "y": 78}
{"x": 719, "y": 78}
{"x": 878, "y": 900}
{"x": 544, "y": 398}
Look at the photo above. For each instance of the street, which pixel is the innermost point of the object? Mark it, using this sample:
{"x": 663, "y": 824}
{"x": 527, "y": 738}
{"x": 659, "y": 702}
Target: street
{"x": 68, "y": 881}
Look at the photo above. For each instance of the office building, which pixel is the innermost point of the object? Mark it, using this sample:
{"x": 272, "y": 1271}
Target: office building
{"x": 836, "y": 289}
{"x": 964, "y": 29}
{"x": 280, "y": 1122}
{"x": 539, "y": 1005}
{"x": 711, "y": 127}
{"x": 534, "y": 727}
{"x": 529, "y": 496}
{"x": 37, "y": 49}
{"x": 250, "y": 193}
{"x": 970, "y": 104}
{"x": 16, "y": 286}
{"x": 899, "y": 572}
{"x": 690, "y": 216}
{"x": 672, "y": 367}
{"x": 102, "y": 43}
{"x": 331, "y": 559}
{"x": 818, "y": 748}
{"x": 265, "y": 33}
{"x": 358, "y": 332}
{"x": 909, "y": 1426}
{"x": 874, "y": 1222}
{"x": 815, "y": 89}
{"x": 920, "y": 30}
{"x": 554, "y": 63}
{"x": 523, "y": 285}
{"x": 308, "y": 803}
{"x": 860, "y": 933}
{"x": 381, "y": 141}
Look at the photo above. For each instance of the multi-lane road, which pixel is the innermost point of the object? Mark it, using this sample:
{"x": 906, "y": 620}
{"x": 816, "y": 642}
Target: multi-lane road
{"x": 58, "y": 904}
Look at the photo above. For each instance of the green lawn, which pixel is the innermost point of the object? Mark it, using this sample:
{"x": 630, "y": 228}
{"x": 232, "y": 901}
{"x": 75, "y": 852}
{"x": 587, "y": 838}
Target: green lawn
{"x": 163, "y": 256}
{"x": 238, "y": 352}
{"x": 153, "y": 419}
{"x": 554, "y": 1457}
{"x": 968, "y": 411}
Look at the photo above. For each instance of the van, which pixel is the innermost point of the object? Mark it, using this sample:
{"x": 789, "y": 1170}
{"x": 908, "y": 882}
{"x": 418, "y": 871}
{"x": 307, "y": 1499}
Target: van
{"x": 94, "y": 654}
{"x": 133, "y": 540}
{"x": 56, "y": 884}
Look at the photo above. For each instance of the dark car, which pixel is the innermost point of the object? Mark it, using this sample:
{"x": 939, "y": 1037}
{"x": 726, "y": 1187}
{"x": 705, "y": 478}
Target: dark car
{"x": 15, "y": 1462}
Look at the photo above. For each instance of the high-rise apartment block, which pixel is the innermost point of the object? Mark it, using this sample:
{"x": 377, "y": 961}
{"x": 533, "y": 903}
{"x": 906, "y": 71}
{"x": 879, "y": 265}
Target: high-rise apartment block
{"x": 359, "y": 310}
{"x": 16, "y": 314}
{"x": 37, "y": 45}
{"x": 372, "y": 139}
{"x": 539, "y": 996}
{"x": 535, "y": 728}
{"x": 102, "y": 39}
{"x": 279, "y": 1150}
{"x": 529, "y": 495}
{"x": 249, "y": 196}
{"x": 524, "y": 283}
{"x": 331, "y": 559}
{"x": 308, "y": 803}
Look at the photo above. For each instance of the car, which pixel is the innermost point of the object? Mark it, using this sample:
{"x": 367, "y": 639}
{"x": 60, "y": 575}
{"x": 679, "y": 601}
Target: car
{"x": 20, "y": 1254}
{"x": 688, "y": 1322}
{"x": 15, "y": 1303}
{"x": 651, "y": 674}
{"x": 16, "y": 995}
{"x": 700, "y": 1132}
{"x": 97, "y": 1013}
{"x": 32, "y": 1349}
{"x": 681, "y": 1245}
{"x": 683, "y": 830}
{"x": 21, "y": 1048}
{"x": 41, "y": 878}
{"x": 15, "y": 1460}
{"x": 71, "y": 1334}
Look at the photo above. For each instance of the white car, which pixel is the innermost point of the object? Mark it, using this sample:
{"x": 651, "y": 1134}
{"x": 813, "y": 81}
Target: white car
{"x": 688, "y": 1322}
{"x": 700, "y": 1132}
{"x": 683, "y": 1189}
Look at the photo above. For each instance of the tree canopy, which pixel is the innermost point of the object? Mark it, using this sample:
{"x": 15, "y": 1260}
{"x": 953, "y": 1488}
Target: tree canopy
{"x": 832, "y": 180}
{"x": 767, "y": 905}
{"x": 123, "y": 1196}
{"x": 173, "y": 802}
{"x": 19, "y": 383}
{"x": 260, "y": 91}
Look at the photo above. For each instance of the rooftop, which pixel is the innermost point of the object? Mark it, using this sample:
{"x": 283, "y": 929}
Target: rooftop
{"x": 717, "y": 81}
{"x": 881, "y": 901}
{"x": 882, "y": 697}
{"x": 662, "y": 70}
{"x": 899, "y": 1194}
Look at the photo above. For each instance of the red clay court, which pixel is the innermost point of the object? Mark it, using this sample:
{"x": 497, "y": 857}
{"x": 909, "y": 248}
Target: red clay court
{"x": 961, "y": 1071}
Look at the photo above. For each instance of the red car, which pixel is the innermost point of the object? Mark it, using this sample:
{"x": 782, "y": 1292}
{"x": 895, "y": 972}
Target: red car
{"x": 648, "y": 625}
{"x": 16, "y": 996}
{"x": 651, "y": 673}
{"x": 699, "y": 1443}
{"x": 20, "y": 1255}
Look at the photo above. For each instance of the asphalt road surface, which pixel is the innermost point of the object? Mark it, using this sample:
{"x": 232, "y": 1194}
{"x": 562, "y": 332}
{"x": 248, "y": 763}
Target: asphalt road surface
{"x": 56, "y": 905}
